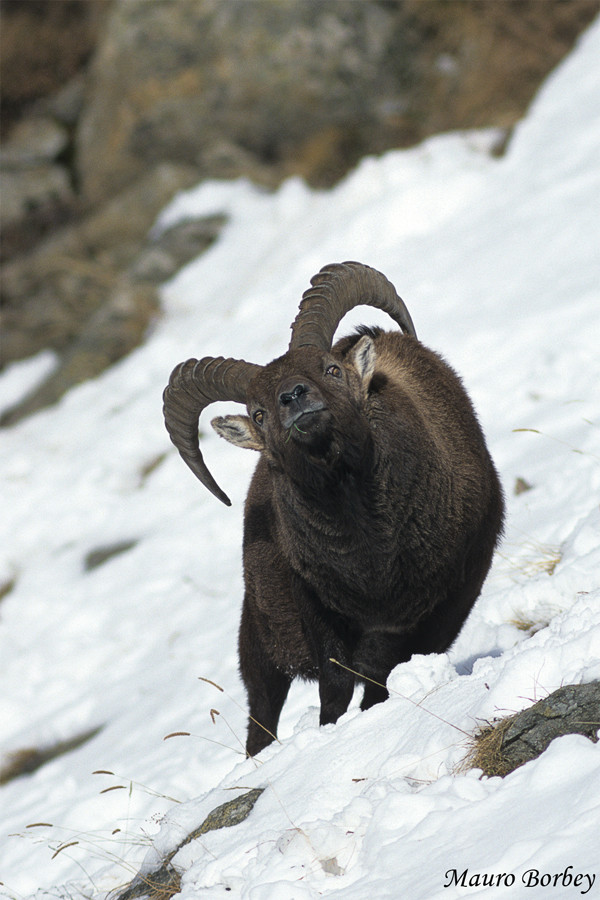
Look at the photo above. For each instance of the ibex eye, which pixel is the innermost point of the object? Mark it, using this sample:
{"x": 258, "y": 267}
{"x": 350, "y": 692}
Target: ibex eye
{"x": 333, "y": 370}
{"x": 258, "y": 416}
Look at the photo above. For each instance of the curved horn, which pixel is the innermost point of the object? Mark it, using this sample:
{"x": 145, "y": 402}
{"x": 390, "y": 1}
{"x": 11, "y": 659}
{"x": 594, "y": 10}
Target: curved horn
{"x": 193, "y": 385}
{"x": 337, "y": 289}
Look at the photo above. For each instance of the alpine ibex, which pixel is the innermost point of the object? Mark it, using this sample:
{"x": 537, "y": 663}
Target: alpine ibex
{"x": 375, "y": 507}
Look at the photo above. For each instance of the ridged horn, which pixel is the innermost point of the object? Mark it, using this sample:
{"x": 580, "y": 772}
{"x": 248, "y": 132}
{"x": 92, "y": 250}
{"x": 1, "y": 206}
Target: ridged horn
{"x": 193, "y": 385}
{"x": 337, "y": 289}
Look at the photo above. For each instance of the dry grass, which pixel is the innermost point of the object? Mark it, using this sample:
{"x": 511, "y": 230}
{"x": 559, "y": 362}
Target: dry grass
{"x": 486, "y": 752}
{"x": 534, "y": 559}
{"x": 527, "y": 623}
{"x": 543, "y": 560}
{"x": 160, "y": 885}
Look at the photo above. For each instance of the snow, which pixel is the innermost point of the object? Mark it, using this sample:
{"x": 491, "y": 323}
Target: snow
{"x": 499, "y": 264}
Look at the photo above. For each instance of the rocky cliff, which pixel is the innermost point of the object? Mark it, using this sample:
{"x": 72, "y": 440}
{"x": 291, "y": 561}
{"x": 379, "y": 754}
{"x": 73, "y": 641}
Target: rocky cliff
{"x": 112, "y": 106}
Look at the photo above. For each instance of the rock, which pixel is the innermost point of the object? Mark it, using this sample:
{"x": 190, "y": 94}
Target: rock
{"x": 119, "y": 325}
{"x": 100, "y": 555}
{"x": 31, "y": 190}
{"x": 90, "y": 291}
{"x": 66, "y": 104}
{"x": 572, "y": 709}
{"x": 521, "y": 486}
{"x": 6, "y": 586}
{"x": 34, "y": 201}
{"x": 168, "y": 251}
{"x": 50, "y": 293}
{"x": 43, "y": 46}
{"x": 119, "y": 229}
{"x": 164, "y": 882}
{"x": 36, "y": 191}
{"x": 177, "y": 92}
{"x": 504, "y": 746}
{"x": 274, "y": 89}
{"x": 29, "y": 760}
{"x": 34, "y": 140}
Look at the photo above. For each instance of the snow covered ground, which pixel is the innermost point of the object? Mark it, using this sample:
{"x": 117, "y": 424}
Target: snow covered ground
{"x": 498, "y": 261}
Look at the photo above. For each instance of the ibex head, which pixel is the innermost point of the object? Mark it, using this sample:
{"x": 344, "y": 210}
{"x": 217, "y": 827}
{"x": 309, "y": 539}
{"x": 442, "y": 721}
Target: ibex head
{"x": 299, "y": 402}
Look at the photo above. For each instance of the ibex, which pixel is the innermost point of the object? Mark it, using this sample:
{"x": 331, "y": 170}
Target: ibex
{"x": 373, "y": 513}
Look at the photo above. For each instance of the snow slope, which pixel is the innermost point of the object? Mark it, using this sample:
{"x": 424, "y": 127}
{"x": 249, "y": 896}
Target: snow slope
{"x": 499, "y": 263}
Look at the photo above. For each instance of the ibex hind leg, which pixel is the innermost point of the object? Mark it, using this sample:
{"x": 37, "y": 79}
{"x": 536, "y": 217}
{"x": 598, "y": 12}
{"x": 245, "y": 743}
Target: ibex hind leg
{"x": 373, "y": 694}
{"x": 378, "y": 652}
{"x": 376, "y": 655}
{"x": 266, "y": 685}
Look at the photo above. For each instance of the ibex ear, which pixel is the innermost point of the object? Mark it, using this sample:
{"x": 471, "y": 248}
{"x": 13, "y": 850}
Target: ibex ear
{"x": 237, "y": 430}
{"x": 363, "y": 357}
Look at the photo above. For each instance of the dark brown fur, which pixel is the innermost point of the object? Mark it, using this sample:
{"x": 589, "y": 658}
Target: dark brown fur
{"x": 370, "y": 522}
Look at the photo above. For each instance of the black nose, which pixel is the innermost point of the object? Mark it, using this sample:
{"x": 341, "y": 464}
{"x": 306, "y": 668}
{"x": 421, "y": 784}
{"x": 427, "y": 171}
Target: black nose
{"x": 291, "y": 393}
